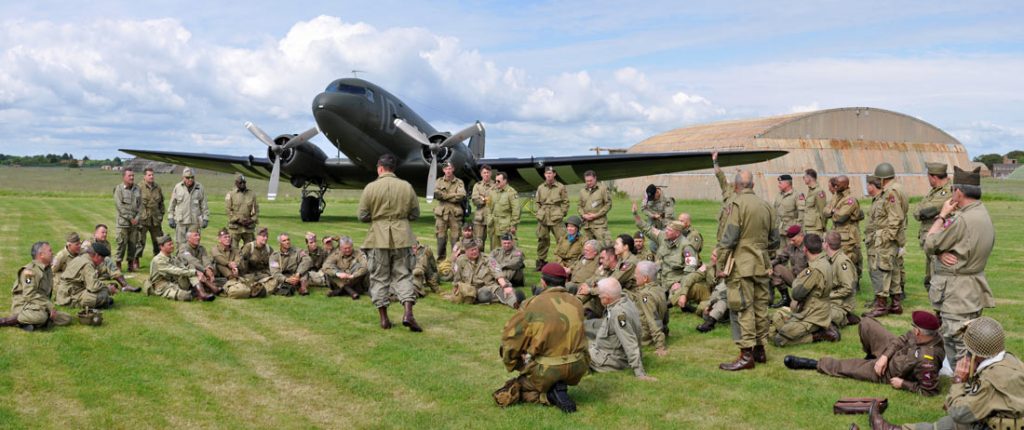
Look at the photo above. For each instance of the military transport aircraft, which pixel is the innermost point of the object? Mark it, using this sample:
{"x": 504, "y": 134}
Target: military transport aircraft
{"x": 364, "y": 122}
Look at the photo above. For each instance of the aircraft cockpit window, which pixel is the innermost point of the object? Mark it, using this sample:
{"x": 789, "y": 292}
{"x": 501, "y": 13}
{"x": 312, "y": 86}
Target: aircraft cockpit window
{"x": 338, "y": 87}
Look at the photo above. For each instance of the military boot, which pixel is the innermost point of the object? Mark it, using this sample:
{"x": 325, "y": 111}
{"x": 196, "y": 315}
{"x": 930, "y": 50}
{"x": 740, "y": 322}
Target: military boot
{"x": 876, "y": 420}
{"x": 897, "y": 305}
{"x": 442, "y": 248}
{"x": 11, "y": 321}
{"x": 783, "y": 299}
{"x": 760, "y": 356}
{"x": 409, "y": 320}
{"x": 852, "y": 319}
{"x": 830, "y": 334}
{"x": 797, "y": 363}
{"x": 303, "y": 288}
{"x": 743, "y": 362}
{"x": 540, "y": 264}
{"x": 881, "y": 308}
{"x": 558, "y": 396}
{"x": 385, "y": 322}
{"x": 707, "y": 325}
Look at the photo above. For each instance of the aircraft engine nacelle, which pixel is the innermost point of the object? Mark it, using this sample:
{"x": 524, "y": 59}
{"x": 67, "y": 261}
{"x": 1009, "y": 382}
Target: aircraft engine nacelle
{"x": 299, "y": 162}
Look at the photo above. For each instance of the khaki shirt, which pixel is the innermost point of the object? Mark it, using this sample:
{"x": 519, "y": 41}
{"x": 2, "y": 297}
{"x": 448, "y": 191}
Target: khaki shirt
{"x": 505, "y": 209}
{"x": 188, "y": 207}
{"x": 672, "y": 255}
{"x": 787, "y": 210}
{"x": 242, "y": 206}
{"x": 313, "y": 261}
{"x": 551, "y": 203}
{"x": 354, "y": 264}
{"x": 222, "y": 257}
{"x": 813, "y": 209}
{"x": 929, "y": 207}
{"x": 196, "y": 258}
{"x": 597, "y": 201}
{"x": 254, "y": 261}
{"x": 660, "y": 211}
{"x": 79, "y": 276}
{"x": 128, "y": 202}
{"x": 32, "y": 288}
{"x": 846, "y": 215}
{"x": 450, "y": 195}
{"x": 152, "y": 204}
{"x": 165, "y": 271}
{"x": 888, "y": 216}
{"x": 695, "y": 239}
{"x": 388, "y": 204}
{"x": 284, "y": 264}
{"x": 962, "y": 288}
{"x": 811, "y": 289}
{"x": 996, "y": 389}
{"x": 569, "y": 251}
{"x": 509, "y": 262}
{"x": 583, "y": 269}
{"x": 844, "y": 282}
{"x": 482, "y": 272}
{"x": 61, "y": 260}
{"x": 748, "y": 236}
{"x": 792, "y": 256}
{"x": 481, "y": 193}
{"x": 548, "y": 326}
{"x": 619, "y": 335}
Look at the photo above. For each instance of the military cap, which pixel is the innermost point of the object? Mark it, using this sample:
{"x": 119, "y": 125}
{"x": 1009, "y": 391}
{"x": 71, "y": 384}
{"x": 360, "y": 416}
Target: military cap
{"x": 677, "y": 226}
{"x": 239, "y": 178}
{"x": 786, "y": 178}
{"x": 792, "y": 231}
{"x": 470, "y": 243}
{"x": 188, "y": 173}
{"x": 926, "y": 320}
{"x": 574, "y": 220}
{"x": 101, "y": 249}
{"x": 984, "y": 337}
{"x": 638, "y": 235}
{"x": 550, "y": 169}
{"x": 73, "y": 238}
{"x": 936, "y": 168}
{"x": 467, "y": 226}
{"x": 223, "y": 232}
{"x": 885, "y": 171}
{"x": 554, "y": 270}
{"x": 507, "y": 236}
{"x": 163, "y": 239}
{"x": 447, "y": 164}
{"x": 263, "y": 232}
{"x": 965, "y": 177}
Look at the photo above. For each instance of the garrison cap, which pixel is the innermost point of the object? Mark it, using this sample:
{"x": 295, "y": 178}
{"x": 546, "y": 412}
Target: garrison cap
{"x": 507, "y": 236}
{"x": 223, "y": 232}
{"x": 926, "y": 320}
{"x": 73, "y": 238}
{"x": 553, "y": 269}
{"x": 638, "y": 235}
{"x": 467, "y": 226}
{"x": 101, "y": 249}
{"x": 936, "y": 168}
{"x": 470, "y": 243}
{"x": 447, "y": 164}
{"x": 677, "y": 226}
{"x": 239, "y": 178}
{"x": 163, "y": 239}
{"x": 793, "y": 230}
{"x": 786, "y": 178}
{"x": 550, "y": 169}
{"x": 263, "y": 232}
{"x": 188, "y": 173}
{"x": 965, "y": 177}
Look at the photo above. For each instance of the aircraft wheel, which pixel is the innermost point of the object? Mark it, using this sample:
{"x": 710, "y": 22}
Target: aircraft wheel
{"x": 310, "y": 209}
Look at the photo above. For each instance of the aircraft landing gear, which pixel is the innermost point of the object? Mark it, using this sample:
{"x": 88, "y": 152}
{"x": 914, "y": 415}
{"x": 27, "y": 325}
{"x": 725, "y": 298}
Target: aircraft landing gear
{"x": 313, "y": 203}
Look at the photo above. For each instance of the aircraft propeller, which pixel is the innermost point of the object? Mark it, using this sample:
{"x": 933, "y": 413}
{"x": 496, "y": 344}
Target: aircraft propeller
{"x": 275, "y": 174}
{"x": 413, "y": 132}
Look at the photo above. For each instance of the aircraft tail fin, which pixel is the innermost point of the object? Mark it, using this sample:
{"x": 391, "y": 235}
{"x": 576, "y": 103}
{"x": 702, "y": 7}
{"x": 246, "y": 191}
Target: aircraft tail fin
{"x": 476, "y": 143}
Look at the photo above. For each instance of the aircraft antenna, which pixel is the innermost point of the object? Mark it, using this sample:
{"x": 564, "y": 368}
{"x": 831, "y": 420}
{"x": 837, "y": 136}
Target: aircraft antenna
{"x": 355, "y": 73}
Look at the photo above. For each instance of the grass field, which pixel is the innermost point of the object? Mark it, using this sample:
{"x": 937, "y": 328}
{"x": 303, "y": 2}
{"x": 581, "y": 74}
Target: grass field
{"x": 314, "y": 362}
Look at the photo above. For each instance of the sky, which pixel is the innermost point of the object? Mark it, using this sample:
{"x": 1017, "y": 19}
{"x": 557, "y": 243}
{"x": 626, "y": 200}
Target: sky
{"x": 545, "y": 78}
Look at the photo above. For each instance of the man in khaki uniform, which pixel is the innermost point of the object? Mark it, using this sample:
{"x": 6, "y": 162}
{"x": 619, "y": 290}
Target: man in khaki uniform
{"x": 444, "y": 267}
{"x": 510, "y": 260}
{"x": 594, "y": 204}
{"x": 611, "y": 266}
{"x": 748, "y": 236}
{"x": 284, "y": 268}
{"x": 652, "y": 306}
{"x": 692, "y": 236}
{"x": 481, "y": 194}
{"x": 584, "y": 268}
{"x": 313, "y": 259}
{"x": 450, "y": 193}
{"x": 130, "y": 239}
{"x": 787, "y": 264}
{"x": 108, "y": 272}
{"x": 715, "y": 309}
{"x": 810, "y": 320}
{"x": 478, "y": 279}
{"x": 786, "y": 204}
{"x": 505, "y": 211}
{"x": 225, "y": 258}
{"x": 659, "y": 209}
{"x": 961, "y": 239}
{"x": 615, "y": 337}
{"x": 78, "y": 285}
{"x": 172, "y": 279}
{"x": 424, "y": 273}
{"x": 152, "y": 209}
{"x": 71, "y": 249}
{"x": 254, "y": 264}
{"x": 346, "y": 270}
{"x": 570, "y": 245}
{"x": 888, "y": 219}
{"x": 987, "y": 390}
{"x": 30, "y": 297}
{"x": 929, "y": 207}
{"x": 844, "y": 282}
{"x": 643, "y": 252}
{"x": 545, "y": 341}
{"x": 243, "y": 212}
{"x": 675, "y": 257}
{"x": 389, "y": 204}
{"x": 845, "y": 213}
{"x": 194, "y": 255}
{"x": 813, "y": 216}
{"x": 552, "y": 205}
{"x": 910, "y": 362}
{"x": 188, "y": 206}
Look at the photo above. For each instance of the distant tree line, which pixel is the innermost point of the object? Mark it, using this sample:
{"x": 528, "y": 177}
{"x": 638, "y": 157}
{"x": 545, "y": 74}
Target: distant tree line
{"x": 55, "y": 160}
{"x": 990, "y": 159}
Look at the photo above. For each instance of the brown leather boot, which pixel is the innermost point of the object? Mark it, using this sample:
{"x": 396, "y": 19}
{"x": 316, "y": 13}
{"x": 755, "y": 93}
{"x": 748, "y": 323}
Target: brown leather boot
{"x": 743, "y": 362}
{"x": 852, "y": 319}
{"x": 897, "y": 305}
{"x": 876, "y": 420}
{"x": 830, "y": 334}
{"x": 137, "y": 264}
{"x": 760, "y": 356}
{"x": 385, "y": 323}
{"x": 11, "y": 321}
{"x": 881, "y": 308}
{"x": 303, "y": 290}
{"x": 409, "y": 320}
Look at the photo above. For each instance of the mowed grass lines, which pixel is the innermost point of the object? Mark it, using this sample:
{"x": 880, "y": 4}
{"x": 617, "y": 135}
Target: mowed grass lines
{"x": 314, "y": 362}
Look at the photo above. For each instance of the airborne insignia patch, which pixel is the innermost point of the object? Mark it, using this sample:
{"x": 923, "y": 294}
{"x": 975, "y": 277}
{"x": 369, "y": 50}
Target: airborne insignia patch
{"x": 844, "y": 266}
{"x": 849, "y": 201}
{"x": 807, "y": 272}
{"x": 622, "y": 320}
{"x": 892, "y": 198}
{"x": 942, "y": 193}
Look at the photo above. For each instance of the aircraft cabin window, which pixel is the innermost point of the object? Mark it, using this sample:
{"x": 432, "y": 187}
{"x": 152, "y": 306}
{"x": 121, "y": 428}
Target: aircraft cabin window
{"x": 338, "y": 87}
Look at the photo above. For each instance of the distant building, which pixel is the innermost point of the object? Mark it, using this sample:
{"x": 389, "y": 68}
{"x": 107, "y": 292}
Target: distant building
{"x": 1004, "y": 169}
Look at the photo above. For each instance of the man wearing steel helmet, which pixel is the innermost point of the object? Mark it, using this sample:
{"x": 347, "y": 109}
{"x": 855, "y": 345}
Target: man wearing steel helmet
{"x": 888, "y": 227}
{"x": 570, "y": 245}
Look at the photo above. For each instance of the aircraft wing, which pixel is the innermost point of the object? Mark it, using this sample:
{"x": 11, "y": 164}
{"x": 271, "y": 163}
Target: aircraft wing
{"x": 529, "y": 172}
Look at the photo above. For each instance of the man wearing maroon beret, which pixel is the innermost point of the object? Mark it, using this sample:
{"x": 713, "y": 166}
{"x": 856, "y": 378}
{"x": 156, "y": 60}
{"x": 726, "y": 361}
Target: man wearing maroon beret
{"x": 910, "y": 362}
{"x": 787, "y": 264}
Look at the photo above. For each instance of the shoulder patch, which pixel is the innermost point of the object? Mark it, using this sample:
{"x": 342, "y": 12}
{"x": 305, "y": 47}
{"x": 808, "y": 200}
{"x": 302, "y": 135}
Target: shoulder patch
{"x": 849, "y": 201}
{"x": 845, "y": 267}
{"x": 821, "y": 194}
{"x": 801, "y": 197}
{"x": 518, "y": 254}
{"x": 892, "y": 198}
{"x": 942, "y": 193}
{"x": 807, "y": 271}
{"x": 622, "y": 320}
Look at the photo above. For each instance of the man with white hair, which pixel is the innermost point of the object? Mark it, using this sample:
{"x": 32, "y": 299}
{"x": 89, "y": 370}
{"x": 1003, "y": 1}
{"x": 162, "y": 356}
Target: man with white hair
{"x": 284, "y": 268}
{"x": 346, "y": 270}
{"x": 615, "y": 339}
{"x": 652, "y": 306}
